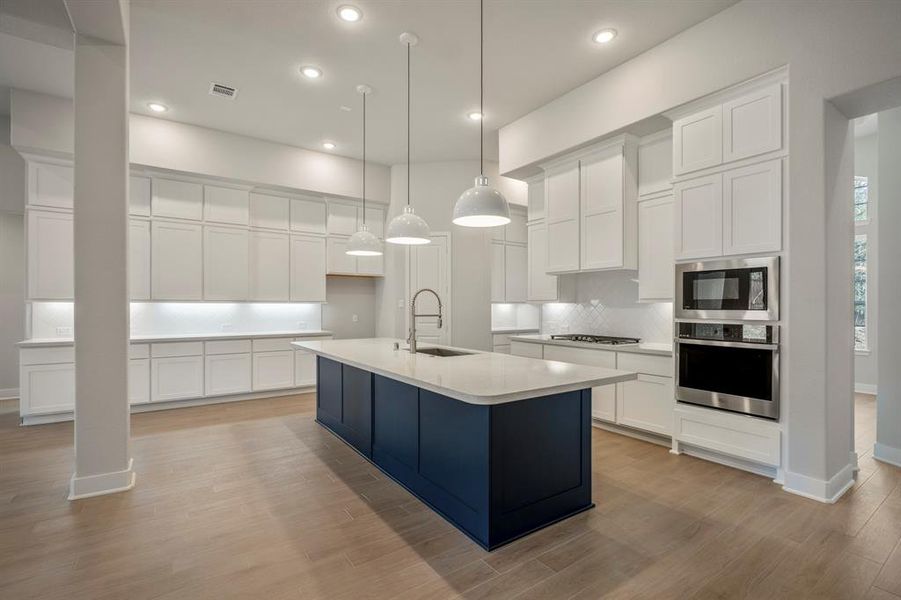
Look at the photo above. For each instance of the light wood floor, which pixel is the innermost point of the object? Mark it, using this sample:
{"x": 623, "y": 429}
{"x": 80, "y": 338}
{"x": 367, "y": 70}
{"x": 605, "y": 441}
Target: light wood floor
{"x": 254, "y": 500}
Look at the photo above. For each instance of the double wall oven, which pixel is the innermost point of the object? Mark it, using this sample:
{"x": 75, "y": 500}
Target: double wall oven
{"x": 727, "y": 341}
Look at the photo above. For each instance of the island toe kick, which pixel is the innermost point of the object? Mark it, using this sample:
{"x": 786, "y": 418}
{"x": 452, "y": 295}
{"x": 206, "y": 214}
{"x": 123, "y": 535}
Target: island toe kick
{"x": 496, "y": 472}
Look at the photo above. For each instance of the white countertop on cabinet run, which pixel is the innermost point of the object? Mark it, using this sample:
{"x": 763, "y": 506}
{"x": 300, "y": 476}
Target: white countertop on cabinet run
{"x": 644, "y": 348}
{"x": 484, "y": 378}
{"x": 186, "y": 337}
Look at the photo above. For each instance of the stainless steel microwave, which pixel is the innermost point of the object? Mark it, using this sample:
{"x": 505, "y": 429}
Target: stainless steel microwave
{"x": 740, "y": 289}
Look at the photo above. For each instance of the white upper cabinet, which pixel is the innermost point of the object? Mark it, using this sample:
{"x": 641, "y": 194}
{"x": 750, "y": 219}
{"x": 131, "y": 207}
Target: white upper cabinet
{"x": 541, "y": 286}
{"x": 226, "y": 205}
{"x": 50, "y": 255}
{"x": 50, "y": 185}
{"x": 225, "y": 263}
{"x": 308, "y": 215}
{"x": 602, "y": 210}
{"x": 176, "y": 261}
{"x": 338, "y": 261}
{"x": 752, "y": 124}
{"x": 699, "y": 217}
{"x": 698, "y": 141}
{"x": 562, "y": 218}
{"x": 308, "y": 268}
{"x": 375, "y": 220}
{"x": 371, "y": 265}
{"x": 342, "y": 219}
{"x": 270, "y": 266}
{"x": 655, "y": 163}
{"x": 269, "y": 212}
{"x": 516, "y": 273}
{"x": 178, "y": 199}
{"x": 515, "y": 231}
{"x": 655, "y": 249}
{"x": 536, "y": 198}
{"x": 752, "y": 209}
{"x": 498, "y": 271}
{"x": 139, "y": 259}
{"x": 139, "y": 196}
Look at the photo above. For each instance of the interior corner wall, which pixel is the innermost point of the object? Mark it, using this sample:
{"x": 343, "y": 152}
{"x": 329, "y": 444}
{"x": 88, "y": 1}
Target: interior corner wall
{"x": 866, "y": 165}
{"x": 12, "y": 261}
{"x": 349, "y": 309}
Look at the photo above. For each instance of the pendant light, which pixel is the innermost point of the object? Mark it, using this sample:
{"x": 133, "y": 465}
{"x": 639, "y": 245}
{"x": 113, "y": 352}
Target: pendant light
{"x": 408, "y": 228}
{"x": 481, "y": 205}
{"x": 364, "y": 242}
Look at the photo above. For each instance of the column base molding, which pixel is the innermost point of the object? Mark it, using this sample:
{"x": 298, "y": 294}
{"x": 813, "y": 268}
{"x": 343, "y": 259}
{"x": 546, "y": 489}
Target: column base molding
{"x": 104, "y": 483}
{"x": 827, "y": 492}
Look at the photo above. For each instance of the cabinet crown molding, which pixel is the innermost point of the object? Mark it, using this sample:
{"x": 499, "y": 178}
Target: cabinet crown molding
{"x": 601, "y": 147}
{"x": 776, "y": 76}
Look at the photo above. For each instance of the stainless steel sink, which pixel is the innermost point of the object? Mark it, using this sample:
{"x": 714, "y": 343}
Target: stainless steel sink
{"x": 442, "y": 352}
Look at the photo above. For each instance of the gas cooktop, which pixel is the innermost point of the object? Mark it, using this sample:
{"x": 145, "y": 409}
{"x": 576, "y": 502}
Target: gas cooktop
{"x": 596, "y": 339}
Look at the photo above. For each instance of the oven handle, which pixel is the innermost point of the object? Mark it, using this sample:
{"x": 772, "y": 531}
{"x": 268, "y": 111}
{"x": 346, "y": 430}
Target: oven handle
{"x": 724, "y": 344}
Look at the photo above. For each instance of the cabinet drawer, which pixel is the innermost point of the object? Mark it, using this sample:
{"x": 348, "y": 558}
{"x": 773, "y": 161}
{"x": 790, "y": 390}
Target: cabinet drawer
{"x": 579, "y": 356}
{"x": 228, "y": 347}
{"x": 527, "y": 349}
{"x": 500, "y": 339}
{"x": 642, "y": 363}
{"x": 272, "y": 344}
{"x": 176, "y": 349}
{"x": 501, "y": 349}
{"x": 139, "y": 351}
{"x": 47, "y": 356}
{"x": 744, "y": 437}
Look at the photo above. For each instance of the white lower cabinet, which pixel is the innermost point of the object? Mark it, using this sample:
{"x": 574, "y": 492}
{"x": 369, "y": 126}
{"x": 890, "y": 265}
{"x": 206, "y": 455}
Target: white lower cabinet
{"x": 526, "y": 349}
{"x": 176, "y": 377}
{"x": 273, "y": 370}
{"x": 138, "y": 380}
{"x": 227, "y": 374}
{"x": 304, "y": 368}
{"x": 603, "y": 398}
{"x": 646, "y": 403}
{"x": 603, "y": 403}
{"x": 748, "y": 438}
{"x": 47, "y": 388}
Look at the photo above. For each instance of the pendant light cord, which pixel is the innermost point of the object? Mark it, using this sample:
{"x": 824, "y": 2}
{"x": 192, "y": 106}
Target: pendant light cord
{"x": 408, "y": 124}
{"x": 481, "y": 87}
{"x": 364, "y": 158}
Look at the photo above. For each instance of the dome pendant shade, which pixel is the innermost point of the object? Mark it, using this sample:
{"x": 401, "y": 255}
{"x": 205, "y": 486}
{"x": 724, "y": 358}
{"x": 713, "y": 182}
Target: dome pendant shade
{"x": 481, "y": 206}
{"x": 364, "y": 243}
{"x": 408, "y": 229}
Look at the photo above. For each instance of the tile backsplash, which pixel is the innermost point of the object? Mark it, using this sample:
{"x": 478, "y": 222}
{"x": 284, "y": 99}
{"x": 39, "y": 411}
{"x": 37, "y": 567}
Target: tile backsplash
{"x": 607, "y": 304}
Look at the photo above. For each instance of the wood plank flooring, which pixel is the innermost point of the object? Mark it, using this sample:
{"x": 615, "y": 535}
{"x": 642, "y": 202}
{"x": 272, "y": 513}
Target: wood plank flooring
{"x": 254, "y": 500}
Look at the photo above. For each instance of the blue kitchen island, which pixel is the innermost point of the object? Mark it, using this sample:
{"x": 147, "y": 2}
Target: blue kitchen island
{"x": 499, "y": 445}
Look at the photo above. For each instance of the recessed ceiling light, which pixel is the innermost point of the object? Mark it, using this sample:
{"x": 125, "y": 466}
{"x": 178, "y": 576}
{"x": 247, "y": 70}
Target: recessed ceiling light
{"x": 604, "y": 36}
{"x": 311, "y": 72}
{"x": 349, "y": 13}
{"x": 328, "y": 145}
{"x": 157, "y": 107}
{"x": 475, "y": 115}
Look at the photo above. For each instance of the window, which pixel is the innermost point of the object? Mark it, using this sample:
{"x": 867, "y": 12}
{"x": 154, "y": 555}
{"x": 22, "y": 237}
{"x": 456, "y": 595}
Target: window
{"x": 861, "y": 198}
{"x": 860, "y": 292}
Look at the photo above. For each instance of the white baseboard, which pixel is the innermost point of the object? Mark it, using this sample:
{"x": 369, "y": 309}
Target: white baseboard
{"x": 9, "y": 405}
{"x": 104, "y": 483}
{"x": 865, "y": 388}
{"x": 887, "y": 454}
{"x": 633, "y": 433}
{"x": 827, "y": 492}
{"x": 729, "y": 461}
{"x": 9, "y": 393}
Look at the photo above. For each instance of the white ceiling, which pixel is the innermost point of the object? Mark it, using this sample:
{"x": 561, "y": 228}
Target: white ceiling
{"x": 535, "y": 51}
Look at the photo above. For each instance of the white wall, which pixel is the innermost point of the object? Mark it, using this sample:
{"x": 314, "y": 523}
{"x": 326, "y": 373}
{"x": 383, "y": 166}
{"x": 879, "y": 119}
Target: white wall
{"x": 42, "y": 123}
{"x": 347, "y": 297}
{"x": 12, "y": 261}
{"x": 435, "y": 187}
{"x": 825, "y": 61}
{"x": 865, "y": 164}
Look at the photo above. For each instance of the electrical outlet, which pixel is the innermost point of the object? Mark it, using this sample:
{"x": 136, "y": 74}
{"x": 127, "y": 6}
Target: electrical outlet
{"x": 301, "y": 324}
{"x": 226, "y": 327}
{"x": 356, "y": 318}
{"x": 400, "y": 303}
{"x": 63, "y": 331}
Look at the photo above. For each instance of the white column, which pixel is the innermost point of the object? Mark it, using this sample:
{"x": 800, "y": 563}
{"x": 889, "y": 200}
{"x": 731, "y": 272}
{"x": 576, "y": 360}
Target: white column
{"x": 103, "y": 462}
{"x": 888, "y": 388}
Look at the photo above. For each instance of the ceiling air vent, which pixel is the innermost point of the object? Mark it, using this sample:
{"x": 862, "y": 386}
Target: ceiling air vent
{"x": 223, "y": 91}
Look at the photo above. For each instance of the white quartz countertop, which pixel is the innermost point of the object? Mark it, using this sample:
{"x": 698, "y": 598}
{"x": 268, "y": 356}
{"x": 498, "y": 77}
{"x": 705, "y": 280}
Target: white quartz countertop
{"x": 185, "y": 337}
{"x": 644, "y": 348}
{"x": 484, "y": 378}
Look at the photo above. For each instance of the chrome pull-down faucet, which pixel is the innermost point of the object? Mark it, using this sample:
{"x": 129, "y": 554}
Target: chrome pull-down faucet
{"x": 413, "y": 316}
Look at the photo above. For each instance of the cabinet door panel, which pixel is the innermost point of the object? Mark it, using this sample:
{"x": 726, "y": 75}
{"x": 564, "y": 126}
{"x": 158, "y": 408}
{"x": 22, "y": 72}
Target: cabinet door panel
{"x": 227, "y": 374}
{"x": 139, "y": 381}
{"x": 51, "y": 185}
{"x": 270, "y": 266}
{"x": 602, "y": 240}
{"x": 752, "y": 209}
{"x": 176, "y": 378}
{"x": 47, "y": 388}
{"x": 371, "y": 265}
{"x": 515, "y": 231}
{"x": 225, "y": 263}
{"x": 226, "y": 205}
{"x": 698, "y": 141}
{"x": 139, "y": 259}
{"x": 542, "y": 287}
{"x": 497, "y": 271}
{"x": 339, "y": 262}
{"x": 177, "y": 261}
{"x": 270, "y": 212}
{"x": 752, "y": 124}
{"x": 563, "y": 246}
{"x": 375, "y": 220}
{"x": 356, "y": 409}
{"x": 603, "y": 403}
{"x": 50, "y": 256}
{"x": 139, "y": 196}
{"x": 536, "y": 199}
{"x": 273, "y": 370}
{"x": 308, "y": 268}
{"x": 646, "y": 403}
{"x": 304, "y": 368}
{"x": 655, "y": 165}
{"x": 515, "y": 268}
{"x": 179, "y": 199}
{"x": 563, "y": 194}
{"x": 308, "y": 215}
{"x": 342, "y": 219}
{"x": 699, "y": 217}
{"x": 655, "y": 249}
